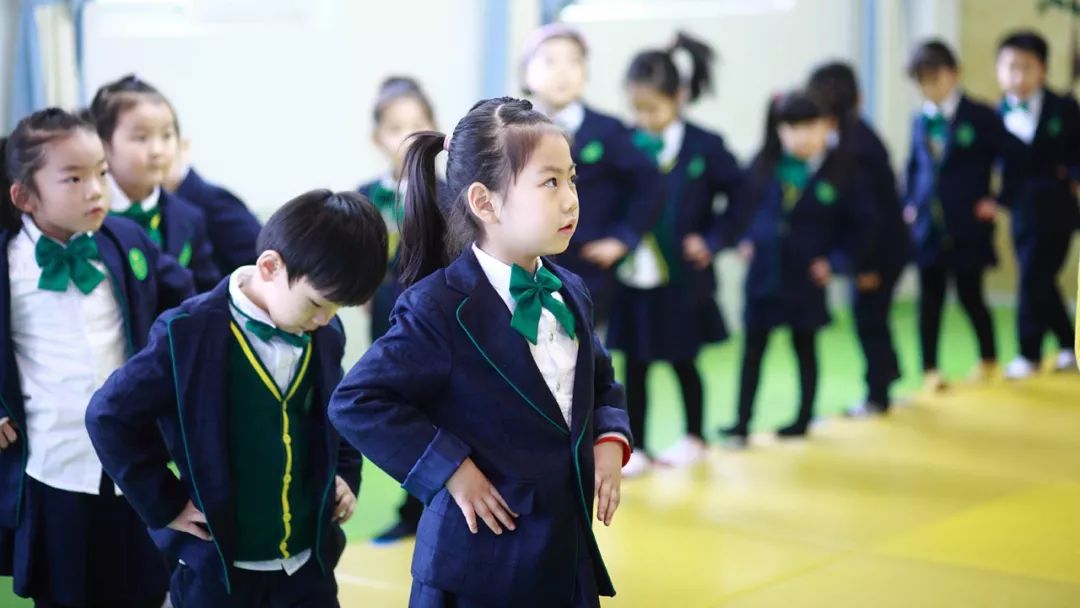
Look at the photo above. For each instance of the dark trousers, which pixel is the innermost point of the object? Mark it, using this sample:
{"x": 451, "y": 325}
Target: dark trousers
{"x": 803, "y": 341}
{"x": 969, "y": 288}
{"x": 308, "y": 587}
{"x": 871, "y": 309}
{"x": 637, "y": 398}
{"x": 1042, "y": 309}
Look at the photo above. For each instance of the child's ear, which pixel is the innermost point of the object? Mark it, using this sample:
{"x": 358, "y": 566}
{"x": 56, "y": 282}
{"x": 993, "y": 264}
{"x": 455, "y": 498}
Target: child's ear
{"x": 21, "y": 197}
{"x": 269, "y": 265}
{"x": 482, "y": 203}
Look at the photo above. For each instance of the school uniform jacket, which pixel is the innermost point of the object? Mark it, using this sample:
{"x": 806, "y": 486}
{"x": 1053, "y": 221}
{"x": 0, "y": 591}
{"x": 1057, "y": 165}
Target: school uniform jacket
{"x": 1045, "y": 203}
{"x": 619, "y": 191}
{"x": 185, "y": 237}
{"x": 944, "y": 195}
{"x": 176, "y": 390}
{"x": 146, "y": 282}
{"x": 232, "y": 228}
{"x": 452, "y": 379}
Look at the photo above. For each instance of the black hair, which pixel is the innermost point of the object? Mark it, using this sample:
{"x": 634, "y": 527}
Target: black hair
{"x": 793, "y": 107}
{"x": 490, "y": 145}
{"x": 657, "y": 69}
{"x": 400, "y": 87}
{"x": 23, "y": 154}
{"x": 1028, "y": 41}
{"x": 836, "y": 86}
{"x": 929, "y": 57}
{"x": 337, "y": 240}
{"x": 551, "y": 31}
{"x": 117, "y": 97}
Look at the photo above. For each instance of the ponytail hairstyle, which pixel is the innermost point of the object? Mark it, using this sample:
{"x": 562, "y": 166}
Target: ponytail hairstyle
{"x": 115, "y": 98}
{"x": 657, "y": 69}
{"x": 23, "y": 154}
{"x": 490, "y": 145}
{"x": 401, "y": 87}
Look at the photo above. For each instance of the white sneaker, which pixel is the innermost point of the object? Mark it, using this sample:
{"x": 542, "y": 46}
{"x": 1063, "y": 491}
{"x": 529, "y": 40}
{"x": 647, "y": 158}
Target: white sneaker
{"x": 1020, "y": 369}
{"x": 638, "y": 465}
{"x": 685, "y": 452}
{"x": 1066, "y": 361}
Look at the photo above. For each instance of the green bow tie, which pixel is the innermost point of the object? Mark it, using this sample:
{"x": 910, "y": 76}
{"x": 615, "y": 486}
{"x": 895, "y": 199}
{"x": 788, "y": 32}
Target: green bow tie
{"x": 651, "y": 145}
{"x": 61, "y": 265}
{"x": 149, "y": 219}
{"x": 1007, "y": 106}
{"x": 267, "y": 332}
{"x": 936, "y": 125}
{"x": 531, "y": 296}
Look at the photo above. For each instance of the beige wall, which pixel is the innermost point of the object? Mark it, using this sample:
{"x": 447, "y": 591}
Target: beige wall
{"x": 982, "y": 24}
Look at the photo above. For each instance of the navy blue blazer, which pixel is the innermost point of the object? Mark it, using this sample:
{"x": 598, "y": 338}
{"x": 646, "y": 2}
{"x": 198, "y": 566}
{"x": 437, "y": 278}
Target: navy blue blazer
{"x": 128, "y": 254}
{"x": 830, "y": 220}
{"x": 704, "y": 169}
{"x": 1044, "y": 203}
{"x": 185, "y": 237}
{"x": 892, "y": 248}
{"x": 232, "y": 227}
{"x": 620, "y": 193}
{"x": 175, "y": 391}
{"x": 452, "y": 379}
{"x": 976, "y": 142}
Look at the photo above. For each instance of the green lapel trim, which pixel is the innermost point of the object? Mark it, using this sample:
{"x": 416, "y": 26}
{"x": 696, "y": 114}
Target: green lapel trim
{"x": 562, "y": 428}
{"x": 187, "y": 452}
{"x": 184, "y": 257}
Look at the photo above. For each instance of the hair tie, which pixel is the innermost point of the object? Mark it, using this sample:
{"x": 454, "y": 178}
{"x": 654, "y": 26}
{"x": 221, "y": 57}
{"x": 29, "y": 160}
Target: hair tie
{"x": 446, "y": 142}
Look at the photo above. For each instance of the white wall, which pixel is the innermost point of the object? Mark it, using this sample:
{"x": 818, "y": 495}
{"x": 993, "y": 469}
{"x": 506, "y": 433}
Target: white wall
{"x": 276, "y": 95}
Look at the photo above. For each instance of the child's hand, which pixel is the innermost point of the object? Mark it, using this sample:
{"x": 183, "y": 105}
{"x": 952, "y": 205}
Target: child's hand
{"x": 604, "y": 252}
{"x": 986, "y": 210}
{"x": 746, "y": 250}
{"x": 868, "y": 281}
{"x": 820, "y": 271}
{"x": 475, "y": 495}
{"x": 346, "y": 501}
{"x": 609, "y": 462}
{"x": 910, "y": 214}
{"x": 191, "y": 521}
{"x": 696, "y": 251}
{"x": 8, "y": 436}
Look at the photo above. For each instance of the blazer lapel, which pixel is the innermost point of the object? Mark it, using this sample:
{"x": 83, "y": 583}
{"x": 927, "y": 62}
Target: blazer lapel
{"x": 584, "y": 390}
{"x": 486, "y": 321}
{"x": 202, "y": 397}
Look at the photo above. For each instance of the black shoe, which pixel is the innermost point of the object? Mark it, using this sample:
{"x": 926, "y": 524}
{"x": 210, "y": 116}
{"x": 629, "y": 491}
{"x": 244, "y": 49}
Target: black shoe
{"x": 398, "y": 532}
{"x": 794, "y": 431}
{"x": 735, "y": 437}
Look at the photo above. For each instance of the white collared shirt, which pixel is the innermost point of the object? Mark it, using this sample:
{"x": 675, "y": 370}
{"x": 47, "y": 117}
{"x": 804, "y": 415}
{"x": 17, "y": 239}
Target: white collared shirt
{"x": 947, "y": 107}
{"x": 1024, "y": 123}
{"x": 66, "y": 345}
{"x": 569, "y": 118}
{"x": 280, "y": 359}
{"x": 555, "y": 352}
{"x": 120, "y": 201}
{"x": 672, "y": 137}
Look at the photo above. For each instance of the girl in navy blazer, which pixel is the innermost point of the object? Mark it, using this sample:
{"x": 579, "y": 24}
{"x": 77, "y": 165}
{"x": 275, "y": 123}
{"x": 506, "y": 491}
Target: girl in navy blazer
{"x": 78, "y": 295}
{"x": 806, "y": 204}
{"x": 666, "y": 308}
{"x": 490, "y": 398}
{"x": 138, "y": 126}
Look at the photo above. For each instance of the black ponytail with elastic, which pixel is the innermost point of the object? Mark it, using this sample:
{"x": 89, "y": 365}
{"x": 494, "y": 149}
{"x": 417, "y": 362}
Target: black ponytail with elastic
{"x": 656, "y": 68}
